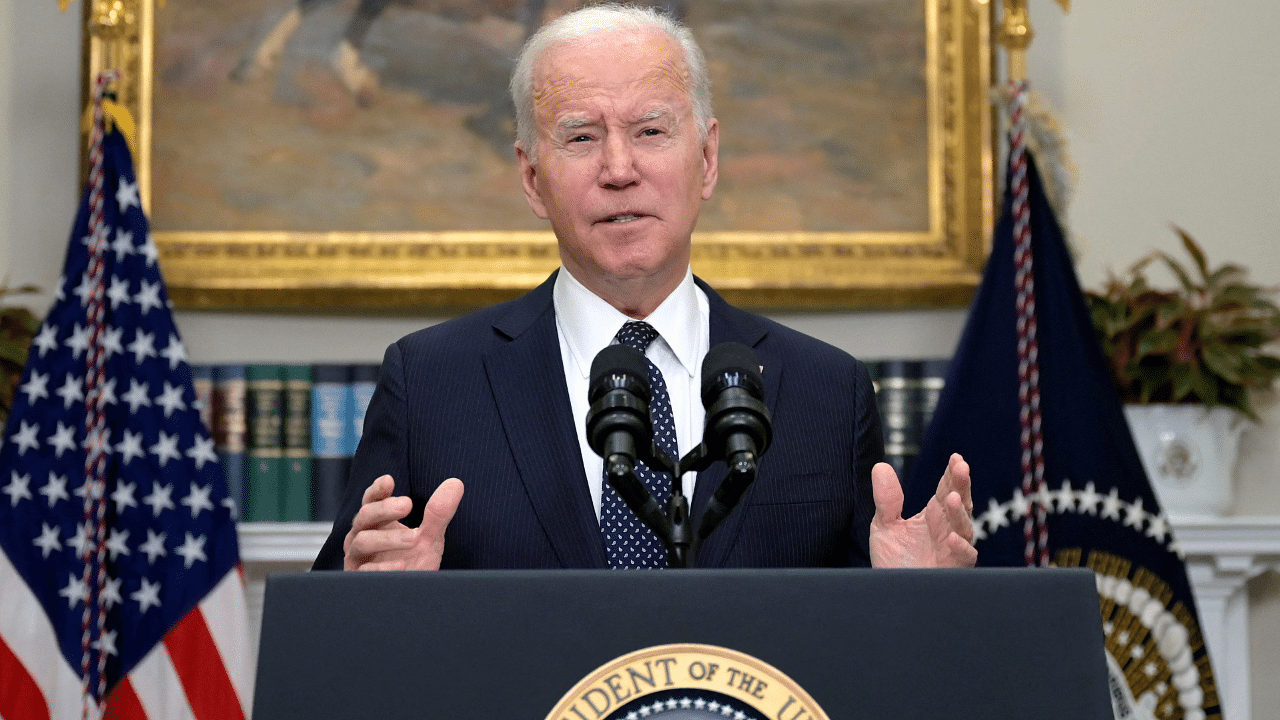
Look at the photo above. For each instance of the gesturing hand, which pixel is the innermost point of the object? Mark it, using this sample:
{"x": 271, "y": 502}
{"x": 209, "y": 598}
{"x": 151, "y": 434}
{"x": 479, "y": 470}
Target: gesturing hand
{"x": 941, "y": 535}
{"x": 379, "y": 541}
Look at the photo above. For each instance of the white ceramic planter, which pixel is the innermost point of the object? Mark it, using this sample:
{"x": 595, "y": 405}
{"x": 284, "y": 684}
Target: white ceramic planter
{"x": 1189, "y": 454}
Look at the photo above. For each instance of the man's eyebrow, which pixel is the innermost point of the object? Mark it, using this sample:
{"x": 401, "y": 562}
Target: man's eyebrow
{"x": 572, "y": 123}
{"x": 654, "y": 114}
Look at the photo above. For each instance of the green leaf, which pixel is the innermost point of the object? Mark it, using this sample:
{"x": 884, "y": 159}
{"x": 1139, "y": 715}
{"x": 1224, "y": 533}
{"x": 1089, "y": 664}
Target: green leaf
{"x": 1182, "y": 381}
{"x": 27, "y": 289}
{"x": 14, "y": 351}
{"x": 1188, "y": 285}
{"x": 1234, "y": 396}
{"x": 1225, "y": 274}
{"x": 1194, "y": 251}
{"x": 1224, "y": 361}
{"x": 1247, "y": 340}
{"x": 1254, "y": 372}
{"x": 1264, "y": 308}
{"x": 1148, "y": 381}
{"x": 1204, "y": 386}
{"x": 1269, "y": 363}
{"x": 1157, "y": 342}
{"x": 1169, "y": 315}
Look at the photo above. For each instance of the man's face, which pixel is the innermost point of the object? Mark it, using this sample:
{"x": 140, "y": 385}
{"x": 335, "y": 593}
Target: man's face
{"x": 622, "y": 170}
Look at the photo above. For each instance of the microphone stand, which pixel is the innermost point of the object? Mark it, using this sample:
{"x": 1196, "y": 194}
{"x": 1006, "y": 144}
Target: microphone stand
{"x": 674, "y": 526}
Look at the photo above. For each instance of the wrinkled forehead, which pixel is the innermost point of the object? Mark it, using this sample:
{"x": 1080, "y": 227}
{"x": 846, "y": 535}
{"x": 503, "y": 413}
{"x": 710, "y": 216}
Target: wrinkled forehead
{"x": 643, "y": 65}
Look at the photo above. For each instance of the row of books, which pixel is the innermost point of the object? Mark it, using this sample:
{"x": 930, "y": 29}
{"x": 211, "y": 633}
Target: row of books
{"x": 907, "y": 393}
{"x": 285, "y": 433}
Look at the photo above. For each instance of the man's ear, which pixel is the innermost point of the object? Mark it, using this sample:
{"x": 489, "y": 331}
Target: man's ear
{"x": 529, "y": 180}
{"x": 711, "y": 159}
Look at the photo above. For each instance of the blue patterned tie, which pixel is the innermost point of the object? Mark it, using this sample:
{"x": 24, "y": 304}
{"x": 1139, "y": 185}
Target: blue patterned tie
{"x": 628, "y": 541}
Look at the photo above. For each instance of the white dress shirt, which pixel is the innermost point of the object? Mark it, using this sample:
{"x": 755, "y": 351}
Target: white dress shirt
{"x": 586, "y": 324}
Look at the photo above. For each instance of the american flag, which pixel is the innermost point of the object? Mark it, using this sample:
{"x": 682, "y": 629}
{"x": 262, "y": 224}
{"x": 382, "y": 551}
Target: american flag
{"x": 120, "y": 574}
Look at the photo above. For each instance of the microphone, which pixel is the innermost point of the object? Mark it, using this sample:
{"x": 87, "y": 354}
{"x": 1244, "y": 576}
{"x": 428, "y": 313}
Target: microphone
{"x": 738, "y": 426}
{"x": 617, "y": 424}
{"x": 618, "y": 420}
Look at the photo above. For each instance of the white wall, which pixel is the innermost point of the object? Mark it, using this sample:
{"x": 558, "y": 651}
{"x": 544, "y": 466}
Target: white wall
{"x": 41, "y": 51}
{"x": 7, "y": 63}
{"x": 1171, "y": 112}
{"x": 1170, "y": 106}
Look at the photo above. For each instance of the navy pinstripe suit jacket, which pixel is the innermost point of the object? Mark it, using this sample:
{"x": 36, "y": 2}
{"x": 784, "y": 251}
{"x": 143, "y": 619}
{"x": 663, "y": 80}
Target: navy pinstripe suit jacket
{"x": 483, "y": 398}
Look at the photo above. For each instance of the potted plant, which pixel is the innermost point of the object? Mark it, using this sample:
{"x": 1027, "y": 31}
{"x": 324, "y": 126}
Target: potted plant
{"x": 17, "y": 327}
{"x": 1184, "y": 361}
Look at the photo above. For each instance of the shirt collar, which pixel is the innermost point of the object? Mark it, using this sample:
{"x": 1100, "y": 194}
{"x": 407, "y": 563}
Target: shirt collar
{"x": 589, "y": 324}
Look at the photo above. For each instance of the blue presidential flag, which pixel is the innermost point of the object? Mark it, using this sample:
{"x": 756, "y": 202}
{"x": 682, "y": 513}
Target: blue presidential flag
{"x": 1030, "y": 403}
{"x": 119, "y": 566}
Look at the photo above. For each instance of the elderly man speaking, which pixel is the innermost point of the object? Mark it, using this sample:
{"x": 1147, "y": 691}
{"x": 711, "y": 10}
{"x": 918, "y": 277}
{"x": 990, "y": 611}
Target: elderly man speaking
{"x": 618, "y": 150}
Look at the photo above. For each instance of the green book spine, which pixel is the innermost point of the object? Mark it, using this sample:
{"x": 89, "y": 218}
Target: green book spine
{"x": 264, "y": 469}
{"x": 295, "y": 487}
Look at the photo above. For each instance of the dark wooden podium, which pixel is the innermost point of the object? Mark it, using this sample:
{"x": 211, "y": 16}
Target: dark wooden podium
{"x": 507, "y": 645}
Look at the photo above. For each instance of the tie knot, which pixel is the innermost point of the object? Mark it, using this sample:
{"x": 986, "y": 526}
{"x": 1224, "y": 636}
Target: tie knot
{"x": 637, "y": 335}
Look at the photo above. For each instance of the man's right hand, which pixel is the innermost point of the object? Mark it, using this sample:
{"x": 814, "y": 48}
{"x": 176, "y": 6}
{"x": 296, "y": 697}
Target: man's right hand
{"x": 379, "y": 541}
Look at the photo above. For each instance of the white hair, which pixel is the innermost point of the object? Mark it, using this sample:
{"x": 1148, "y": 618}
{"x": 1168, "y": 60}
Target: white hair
{"x": 592, "y": 21}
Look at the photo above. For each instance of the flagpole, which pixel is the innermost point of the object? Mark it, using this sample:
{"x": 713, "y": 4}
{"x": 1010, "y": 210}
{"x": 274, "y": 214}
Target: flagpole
{"x": 1016, "y": 34}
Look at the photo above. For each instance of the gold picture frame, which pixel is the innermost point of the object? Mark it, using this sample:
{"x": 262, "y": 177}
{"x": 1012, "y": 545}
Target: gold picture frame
{"x": 360, "y": 271}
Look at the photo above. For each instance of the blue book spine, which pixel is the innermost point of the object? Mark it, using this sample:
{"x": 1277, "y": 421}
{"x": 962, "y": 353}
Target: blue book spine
{"x": 332, "y": 436}
{"x": 364, "y": 378}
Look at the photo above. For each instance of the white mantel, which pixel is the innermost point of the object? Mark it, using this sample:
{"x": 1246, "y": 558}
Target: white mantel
{"x": 1222, "y": 555}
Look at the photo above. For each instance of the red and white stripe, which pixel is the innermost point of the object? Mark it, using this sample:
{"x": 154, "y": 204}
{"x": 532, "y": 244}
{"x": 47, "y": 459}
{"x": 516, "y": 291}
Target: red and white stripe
{"x": 201, "y": 670}
{"x": 1035, "y": 523}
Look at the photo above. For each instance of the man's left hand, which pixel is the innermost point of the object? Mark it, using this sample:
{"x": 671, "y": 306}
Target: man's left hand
{"x": 941, "y": 535}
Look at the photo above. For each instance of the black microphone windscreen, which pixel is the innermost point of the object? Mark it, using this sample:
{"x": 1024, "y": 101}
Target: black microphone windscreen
{"x": 730, "y": 358}
{"x": 618, "y": 361}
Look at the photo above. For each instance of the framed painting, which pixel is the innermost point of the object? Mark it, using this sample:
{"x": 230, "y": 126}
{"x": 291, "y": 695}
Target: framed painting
{"x": 357, "y": 153}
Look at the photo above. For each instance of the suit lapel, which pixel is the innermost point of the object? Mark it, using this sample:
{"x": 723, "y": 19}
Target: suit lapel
{"x": 729, "y": 324}
{"x": 527, "y": 377}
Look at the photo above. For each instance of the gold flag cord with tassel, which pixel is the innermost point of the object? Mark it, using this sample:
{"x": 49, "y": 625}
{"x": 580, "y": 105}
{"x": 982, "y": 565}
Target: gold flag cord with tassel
{"x": 117, "y": 37}
{"x": 116, "y": 117}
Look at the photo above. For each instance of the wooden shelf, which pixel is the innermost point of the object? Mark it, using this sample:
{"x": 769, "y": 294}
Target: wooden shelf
{"x": 282, "y": 542}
